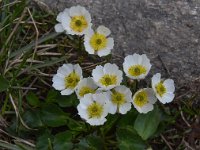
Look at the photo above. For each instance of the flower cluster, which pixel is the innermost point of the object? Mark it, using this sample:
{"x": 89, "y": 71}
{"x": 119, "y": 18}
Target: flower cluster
{"x": 104, "y": 92}
{"x": 77, "y": 21}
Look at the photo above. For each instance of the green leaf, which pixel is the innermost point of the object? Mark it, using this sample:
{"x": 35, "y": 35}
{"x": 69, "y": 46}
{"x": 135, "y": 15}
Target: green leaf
{"x": 32, "y": 119}
{"x": 53, "y": 116}
{"x": 90, "y": 142}
{"x": 62, "y": 141}
{"x": 4, "y": 84}
{"x": 129, "y": 118}
{"x": 147, "y": 124}
{"x": 33, "y": 99}
{"x": 44, "y": 141}
{"x": 75, "y": 125}
{"x": 52, "y": 96}
{"x": 82, "y": 145}
{"x": 67, "y": 101}
{"x": 110, "y": 123}
{"x": 95, "y": 142}
{"x": 129, "y": 139}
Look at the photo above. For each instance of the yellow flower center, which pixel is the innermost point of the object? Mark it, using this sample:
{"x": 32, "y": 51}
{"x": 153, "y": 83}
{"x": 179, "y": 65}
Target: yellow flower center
{"x": 108, "y": 79}
{"x": 98, "y": 41}
{"x": 160, "y": 89}
{"x": 72, "y": 80}
{"x": 95, "y": 110}
{"x": 137, "y": 70}
{"x": 78, "y": 23}
{"x": 118, "y": 98}
{"x": 85, "y": 90}
{"x": 141, "y": 99}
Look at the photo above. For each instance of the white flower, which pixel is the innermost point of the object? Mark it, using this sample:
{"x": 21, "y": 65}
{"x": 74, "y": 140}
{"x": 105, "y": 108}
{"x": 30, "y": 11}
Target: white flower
{"x": 120, "y": 98}
{"x": 98, "y": 42}
{"x": 94, "y": 108}
{"x": 144, "y": 99}
{"x": 107, "y": 77}
{"x": 136, "y": 66}
{"x": 164, "y": 89}
{"x": 75, "y": 21}
{"x": 67, "y": 78}
{"x": 86, "y": 86}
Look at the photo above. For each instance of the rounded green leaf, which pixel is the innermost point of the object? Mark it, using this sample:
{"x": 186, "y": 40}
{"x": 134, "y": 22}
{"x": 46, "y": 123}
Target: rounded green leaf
{"x": 95, "y": 142}
{"x": 62, "y": 141}
{"x": 44, "y": 142}
{"x": 53, "y": 116}
{"x": 67, "y": 101}
{"x": 129, "y": 139}
{"x": 32, "y": 119}
{"x": 32, "y": 99}
{"x": 147, "y": 124}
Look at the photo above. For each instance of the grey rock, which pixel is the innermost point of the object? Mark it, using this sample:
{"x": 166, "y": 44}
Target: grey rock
{"x": 168, "y": 31}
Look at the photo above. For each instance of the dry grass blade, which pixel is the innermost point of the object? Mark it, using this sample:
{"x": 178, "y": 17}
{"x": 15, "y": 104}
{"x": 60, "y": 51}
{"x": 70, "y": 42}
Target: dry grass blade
{"x": 17, "y": 138}
{"x": 37, "y": 34}
{"x": 32, "y": 44}
{"x": 18, "y": 114}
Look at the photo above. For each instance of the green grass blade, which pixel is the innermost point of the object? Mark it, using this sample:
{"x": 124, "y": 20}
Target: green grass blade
{"x": 32, "y": 44}
{"x": 9, "y": 146}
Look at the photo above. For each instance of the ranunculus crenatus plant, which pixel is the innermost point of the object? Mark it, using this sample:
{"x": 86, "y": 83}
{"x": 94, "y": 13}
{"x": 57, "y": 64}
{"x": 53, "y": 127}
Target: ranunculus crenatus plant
{"x": 106, "y": 91}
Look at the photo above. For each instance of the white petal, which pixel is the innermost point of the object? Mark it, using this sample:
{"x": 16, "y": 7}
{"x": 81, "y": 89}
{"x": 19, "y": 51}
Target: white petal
{"x": 126, "y": 91}
{"x": 87, "y": 16}
{"x": 86, "y": 100}
{"x": 76, "y": 11}
{"x": 110, "y": 43}
{"x": 66, "y": 10}
{"x": 146, "y": 108}
{"x": 88, "y": 48}
{"x": 58, "y": 79}
{"x": 125, "y": 108}
{"x": 101, "y": 98}
{"x": 89, "y": 34}
{"x": 65, "y": 72}
{"x": 82, "y": 112}
{"x": 107, "y": 50}
{"x": 151, "y": 96}
{"x": 67, "y": 92}
{"x": 103, "y": 30}
{"x": 169, "y": 84}
{"x": 167, "y": 98}
{"x": 58, "y": 27}
{"x": 65, "y": 21}
{"x": 139, "y": 59}
{"x": 155, "y": 79}
{"x": 146, "y": 62}
{"x": 95, "y": 121}
{"x": 67, "y": 67}
{"x": 128, "y": 62}
{"x": 110, "y": 68}
{"x": 103, "y": 52}
{"x": 107, "y": 87}
{"x": 119, "y": 77}
{"x": 78, "y": 70}
{"x": 58, "y": 86}
{"x": 91, "y": 83}
{"x": 112, "y": 109}
{"x": 58, "y": 18}
{"x": 97, "y": 73}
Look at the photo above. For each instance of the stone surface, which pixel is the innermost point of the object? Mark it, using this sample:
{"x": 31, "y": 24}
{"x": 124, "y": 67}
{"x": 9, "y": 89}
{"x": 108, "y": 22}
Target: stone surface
{"x": 168, "y": 31}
